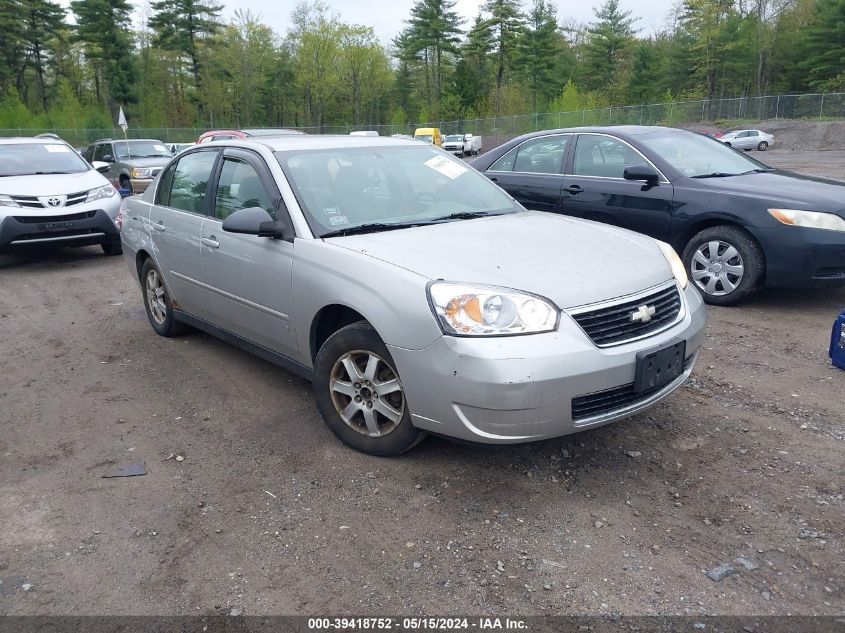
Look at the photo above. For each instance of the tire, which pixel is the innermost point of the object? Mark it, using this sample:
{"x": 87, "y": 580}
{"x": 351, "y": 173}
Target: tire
{"x": 762, "y": 146}
{"x": 728, "y": 144}
{"x": 165, "y": 325}
{"x": 724, "y": 278}
{"x": 112, "y": 247}
{"x": 125, "y": 183}
{"x": 345, "y": 383}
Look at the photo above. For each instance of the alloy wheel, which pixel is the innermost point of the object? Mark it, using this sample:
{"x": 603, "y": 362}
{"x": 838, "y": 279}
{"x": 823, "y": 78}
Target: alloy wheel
{"x": 155, "y": 297}
{"x": 366, "y": 393}
{"x": 717, "y": 268}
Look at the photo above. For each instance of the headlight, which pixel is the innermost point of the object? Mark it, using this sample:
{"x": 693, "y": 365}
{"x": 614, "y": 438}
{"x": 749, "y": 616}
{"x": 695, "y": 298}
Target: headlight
{"x": 811, "y": 219}
{"x": 141, "y": 173}
{"x": 6, "y": 201}
{"x": 675, "y": 263}
{"x": 101, "y": 192}
{"x": 465, "y": 310}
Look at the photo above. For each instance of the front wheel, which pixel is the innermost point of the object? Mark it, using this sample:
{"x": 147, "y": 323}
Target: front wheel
{"x": 762, "y": 146}
{"x": 725, "y": 264}
{"x": 360, "y": 395}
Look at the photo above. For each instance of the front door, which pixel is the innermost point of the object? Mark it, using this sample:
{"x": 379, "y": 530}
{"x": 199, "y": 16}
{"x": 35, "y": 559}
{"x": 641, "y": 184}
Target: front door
{"x": 176, "y": 218}
{"x": 594, "y": 187}
{"x": 248, "y": 278}
{"x": 532, "y": 172}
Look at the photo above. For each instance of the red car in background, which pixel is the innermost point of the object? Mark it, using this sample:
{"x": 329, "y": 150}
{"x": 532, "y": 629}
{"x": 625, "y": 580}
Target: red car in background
{"x": 228, "y": 135}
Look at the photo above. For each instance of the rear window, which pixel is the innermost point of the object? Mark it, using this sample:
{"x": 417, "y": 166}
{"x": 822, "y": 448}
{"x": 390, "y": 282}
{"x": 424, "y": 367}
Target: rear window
{"x": 23, "y": 159}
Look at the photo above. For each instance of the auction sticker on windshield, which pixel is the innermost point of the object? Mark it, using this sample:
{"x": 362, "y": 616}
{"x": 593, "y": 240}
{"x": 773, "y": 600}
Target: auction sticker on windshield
{"x": 446, "y": 166}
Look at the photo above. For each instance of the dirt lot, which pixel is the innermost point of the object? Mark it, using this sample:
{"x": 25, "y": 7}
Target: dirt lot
{"x": 268, "y": 513}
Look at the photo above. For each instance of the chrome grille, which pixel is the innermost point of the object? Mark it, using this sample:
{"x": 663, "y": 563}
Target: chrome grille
{"x": 614, "y": 323}
{"x": 32, "y": 202}
{"x": 76, "y": 198}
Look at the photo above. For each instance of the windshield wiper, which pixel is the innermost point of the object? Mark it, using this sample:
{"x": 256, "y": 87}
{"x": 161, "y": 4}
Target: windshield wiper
{"x": 716, "y": 174}
{"x": 757, "y": 171}
{"x": 372, "y": 227}
{"x": 50, "y": 173}
{"x": 461, "y": 215}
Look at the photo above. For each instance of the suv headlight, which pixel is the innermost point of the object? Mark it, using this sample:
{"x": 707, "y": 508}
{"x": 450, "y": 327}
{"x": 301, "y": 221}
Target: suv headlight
{"x": 142, "y": 173}
{"x": 810, "y": 219}
{"x": 99, "y": 193}
{"x": 6, "y": 201}
{"x": 470, "y": 310}
{"x": 675, "y": 263}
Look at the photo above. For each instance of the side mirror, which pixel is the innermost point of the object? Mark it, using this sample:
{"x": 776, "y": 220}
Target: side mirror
{"x": 101, "y": 166}
{"x": 108, "y": 158}
{"x": 255, "y": 221}
{"x": 641, "y": 172}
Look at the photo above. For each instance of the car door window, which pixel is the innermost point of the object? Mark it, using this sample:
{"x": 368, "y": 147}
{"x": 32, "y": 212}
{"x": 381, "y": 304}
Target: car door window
{"x": 189, "y": 187}
{"x": 505, "y": 163}
{"x": 98, "y": 152}
{"x": 542, "y": 155}
{"x": 164, "y": 185}
{"x": 604, "y": 157}
{"x": 240, "y": 187}
{"x": 222, "y": 137}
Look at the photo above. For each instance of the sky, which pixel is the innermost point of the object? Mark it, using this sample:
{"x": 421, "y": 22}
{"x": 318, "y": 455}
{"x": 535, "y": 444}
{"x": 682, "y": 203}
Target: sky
{"x": 387, "y": 16}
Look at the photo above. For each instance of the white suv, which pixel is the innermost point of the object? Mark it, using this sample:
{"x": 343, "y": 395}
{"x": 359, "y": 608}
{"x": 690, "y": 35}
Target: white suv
{"x": 50, "y": 195}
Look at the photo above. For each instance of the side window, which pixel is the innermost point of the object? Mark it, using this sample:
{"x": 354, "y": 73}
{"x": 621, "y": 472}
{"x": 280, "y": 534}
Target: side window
{"x": 542, "y": 155}
{"x": 165, "y": 183}
{"x": 240, "y": 187}
{"x": 88, "y": 154}
{"x": 189, "y": 188}
{"x": 505, "y": 163}
{"x": 603, "y": 157}
{"x": 222, "y": 137}
{"x": 98, "y": 152}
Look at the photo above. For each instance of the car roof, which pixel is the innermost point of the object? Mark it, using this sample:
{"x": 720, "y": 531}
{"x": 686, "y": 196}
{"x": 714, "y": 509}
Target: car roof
{"x": 313, "y": 141}
{"x": 29, "y": 140}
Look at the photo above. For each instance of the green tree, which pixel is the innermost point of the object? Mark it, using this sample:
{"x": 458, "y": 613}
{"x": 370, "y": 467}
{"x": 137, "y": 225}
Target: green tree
{"x": 472, "y": 70}
{"x": 103, "y": 28}
{"x": 42, "y": 24}
{"x": 537, "y": 49}
{"x": 181, "y": 26}
{"x": 506, "y": 23}
{"x": 608, "y": 48}
{"x": 823, "y": 46}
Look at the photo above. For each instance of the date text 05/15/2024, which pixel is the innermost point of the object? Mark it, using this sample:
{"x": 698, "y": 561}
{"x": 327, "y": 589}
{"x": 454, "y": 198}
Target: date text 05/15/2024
{"x": 416, "y": 624}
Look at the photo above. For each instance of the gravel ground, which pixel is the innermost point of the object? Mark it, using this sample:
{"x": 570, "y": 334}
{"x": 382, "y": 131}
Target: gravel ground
{"x": 250, "y": 503}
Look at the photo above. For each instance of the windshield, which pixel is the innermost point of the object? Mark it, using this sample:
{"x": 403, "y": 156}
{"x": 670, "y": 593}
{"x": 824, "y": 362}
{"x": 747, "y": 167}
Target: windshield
{"x": 141, "y": 149}
{"x": 342, "y": 188}
{"x": 696, "y": 155}
{"x": 425, "y": 138}
{"x": 26, "y": 159}
{"x": 453, "y": 138}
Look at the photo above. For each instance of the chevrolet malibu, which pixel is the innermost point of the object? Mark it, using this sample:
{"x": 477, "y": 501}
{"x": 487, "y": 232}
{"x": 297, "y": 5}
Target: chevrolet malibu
{"x": 415, "y": 294}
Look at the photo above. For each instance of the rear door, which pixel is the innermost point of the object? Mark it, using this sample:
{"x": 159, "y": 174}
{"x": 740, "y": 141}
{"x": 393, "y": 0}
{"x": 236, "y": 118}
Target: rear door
{"x": 181, "y": 204}
{"x": 248, "y": 278}
{"x": 533, "y": 172}
{"x": 594, "y": 187}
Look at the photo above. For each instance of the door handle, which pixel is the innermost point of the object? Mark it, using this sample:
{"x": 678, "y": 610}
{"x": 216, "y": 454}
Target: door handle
{"x": 158, "y": 226}
{"x": 494, "y": 180}
{"x": 210, "y": 242}
{"x": 573, "y": 189}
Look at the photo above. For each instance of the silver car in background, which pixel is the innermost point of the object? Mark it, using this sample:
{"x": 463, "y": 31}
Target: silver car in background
{"x": 49, "y": 195}
{"x": 748, "y": 140}
{"x": 414, "y": 293}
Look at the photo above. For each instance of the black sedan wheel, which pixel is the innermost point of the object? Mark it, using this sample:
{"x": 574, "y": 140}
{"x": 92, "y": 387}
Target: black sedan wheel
{"x": 724, "y": 263}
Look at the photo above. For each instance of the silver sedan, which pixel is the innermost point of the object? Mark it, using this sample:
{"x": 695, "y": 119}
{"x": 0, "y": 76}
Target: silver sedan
{"x": 748, "y": 140}
{"x": 415, "y": 294}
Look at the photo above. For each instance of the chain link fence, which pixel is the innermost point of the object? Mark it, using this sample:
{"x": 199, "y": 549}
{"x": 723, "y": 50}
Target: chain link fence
{"x": 702, "y": 112}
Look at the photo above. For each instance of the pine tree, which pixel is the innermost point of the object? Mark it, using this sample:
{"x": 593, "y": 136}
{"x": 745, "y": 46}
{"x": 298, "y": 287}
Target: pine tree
{"x": 42, "y": 23}
{"x": 181, "y": 25}
{"x": 472, "y": 72}
{"x": 506, "y": 21}
{"x": 103, "y": 28}
{"x": 609, "y": 43}
{"x": 537, "y": 49}
{"x": 823, "y": 46}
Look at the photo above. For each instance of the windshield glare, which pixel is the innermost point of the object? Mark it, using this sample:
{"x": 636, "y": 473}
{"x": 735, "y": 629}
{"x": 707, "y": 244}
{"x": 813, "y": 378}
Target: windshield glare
{"x": 698, "y": 155}
{"x": 453, "y": 138}
{"x": 342, "y": 188}
{"x": 141, "y": 149}
{"x": 26, "y": 159}
{"x": 424, "y": 137}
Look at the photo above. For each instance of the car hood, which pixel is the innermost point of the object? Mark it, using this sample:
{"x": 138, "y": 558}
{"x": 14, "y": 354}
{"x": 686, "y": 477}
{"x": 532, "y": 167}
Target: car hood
{"x": 147, "y": 162}
{"x": 51, "y": 184}
{"x": 784, "y": 188}
{"x": 572, "y": 262}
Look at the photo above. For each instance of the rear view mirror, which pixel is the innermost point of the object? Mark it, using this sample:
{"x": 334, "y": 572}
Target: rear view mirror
{"x": 108, "y": 158}
{"x": 101, "y": 166}
{"x": 255, "y": 221}
{"x": 641, "y": 172}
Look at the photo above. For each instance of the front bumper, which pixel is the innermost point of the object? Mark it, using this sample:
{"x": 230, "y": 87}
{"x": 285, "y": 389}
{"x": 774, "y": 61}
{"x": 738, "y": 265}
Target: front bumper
{"x": 521, "y": 388}
{"x": 140, "y": 185}
{"x": 80, "y": 228}
{"x": 801, "y": 257}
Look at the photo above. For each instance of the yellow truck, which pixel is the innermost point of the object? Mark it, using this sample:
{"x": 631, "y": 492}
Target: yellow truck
{"x": 429, "y": 135}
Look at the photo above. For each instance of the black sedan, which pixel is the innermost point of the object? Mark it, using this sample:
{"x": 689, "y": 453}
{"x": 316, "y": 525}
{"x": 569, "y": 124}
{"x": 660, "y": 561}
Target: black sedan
{"x": 738, "y": 223}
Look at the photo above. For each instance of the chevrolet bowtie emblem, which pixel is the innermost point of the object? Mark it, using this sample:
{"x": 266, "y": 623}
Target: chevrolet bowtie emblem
{"x": 643, "y": 314}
